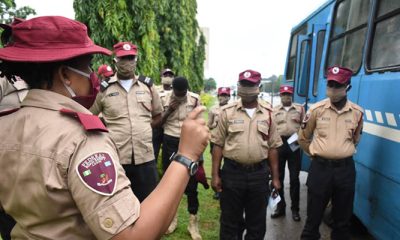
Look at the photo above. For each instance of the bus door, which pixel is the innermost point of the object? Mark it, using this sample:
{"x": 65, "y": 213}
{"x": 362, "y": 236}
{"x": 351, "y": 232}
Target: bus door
{"x": 309, "y": 52}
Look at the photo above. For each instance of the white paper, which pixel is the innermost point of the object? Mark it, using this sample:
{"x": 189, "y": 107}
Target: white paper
{"x": 292, "y": 141}
{"x": 273, "y": 202}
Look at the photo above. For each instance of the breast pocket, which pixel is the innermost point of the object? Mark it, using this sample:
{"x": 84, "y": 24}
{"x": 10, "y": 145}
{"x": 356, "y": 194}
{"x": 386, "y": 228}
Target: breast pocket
{"x": 322, "y": 128}
{"x": 350, "y": 128}
{"x": 144, "y": 102}
{"x": 295, "y": 117}
{"x": 279, "y": 118}
{"x": 263, "y": 130}
{"x": 114, "y": 104}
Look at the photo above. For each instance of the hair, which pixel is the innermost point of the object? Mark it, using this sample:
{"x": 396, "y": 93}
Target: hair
{"x": 36, "y": 75}
{"x": 180, "y": 84}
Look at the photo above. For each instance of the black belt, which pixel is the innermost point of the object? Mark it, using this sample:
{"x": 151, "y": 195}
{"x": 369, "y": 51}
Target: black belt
{"x": 245, "y": 167}
{"x": 334, "y": 162}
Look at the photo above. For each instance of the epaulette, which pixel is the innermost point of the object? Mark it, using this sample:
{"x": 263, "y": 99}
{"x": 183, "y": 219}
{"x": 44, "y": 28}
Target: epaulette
{"x": 146, "y": 80}
{"x": 265, "y": 105}
{"x": 319, "y": 104}
{"x": 355, "y": 106}
{"x": 89, "y": 122}
{"x": 8, "y": 112}
{"x": 229, "y": 105}
{"x": 105, "y": 84}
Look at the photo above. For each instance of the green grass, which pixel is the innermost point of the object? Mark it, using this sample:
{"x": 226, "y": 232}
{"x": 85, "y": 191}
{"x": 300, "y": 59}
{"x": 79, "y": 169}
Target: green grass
{"x": 209, "y": 211}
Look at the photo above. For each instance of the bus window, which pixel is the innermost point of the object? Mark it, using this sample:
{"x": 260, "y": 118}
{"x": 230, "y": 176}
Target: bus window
{"x": 348, "y": 34}
{"x": 303, "y": 69}
{"x": 386, "y": 38}
{"x": 291, "y": 64}
{"x": 320, "y": 46}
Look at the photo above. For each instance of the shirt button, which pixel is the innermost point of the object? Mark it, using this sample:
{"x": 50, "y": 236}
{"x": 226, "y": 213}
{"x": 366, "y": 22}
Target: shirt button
{"x": 108, "y": 222}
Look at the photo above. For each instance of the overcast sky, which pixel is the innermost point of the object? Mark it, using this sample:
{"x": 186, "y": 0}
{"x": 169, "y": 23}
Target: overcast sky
{"x": 243, "y": 34}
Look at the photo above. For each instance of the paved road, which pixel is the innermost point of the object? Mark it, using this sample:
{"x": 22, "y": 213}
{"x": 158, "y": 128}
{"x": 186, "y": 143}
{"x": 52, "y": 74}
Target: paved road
{"x": 286, "y": 229}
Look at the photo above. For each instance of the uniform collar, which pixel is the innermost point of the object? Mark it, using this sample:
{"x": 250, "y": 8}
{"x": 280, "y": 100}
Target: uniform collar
{"x": 115, "y": 79}
{"x": 290, "y": 107}
{"x": 51, "y": 100}
{"x": 258, "y": 108}
{"x": 347, "y": 106}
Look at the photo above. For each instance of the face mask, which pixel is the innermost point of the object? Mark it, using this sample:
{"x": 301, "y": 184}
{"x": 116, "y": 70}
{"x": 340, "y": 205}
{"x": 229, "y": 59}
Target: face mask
{"x": 336, "y": 94}
{"x": 125, "y": 68}
{"x": 286, "y": 100}
{"x": 86, "y": 101}
{"x": 223, "y": 100}
{"x": 248, "y": 94}
{"x": 166, "y": 80}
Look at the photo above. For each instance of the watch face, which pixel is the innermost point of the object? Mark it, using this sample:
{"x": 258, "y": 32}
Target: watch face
{"x": 193, "y": 168}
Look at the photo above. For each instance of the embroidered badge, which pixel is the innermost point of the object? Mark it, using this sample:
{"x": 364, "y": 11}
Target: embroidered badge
{"x": 335, "y": 70}
{"x": 126, "y": 47}
{"x": 109, "y": 68}
{"x": 247, "y": 74}
{"x": 98, "y": 173}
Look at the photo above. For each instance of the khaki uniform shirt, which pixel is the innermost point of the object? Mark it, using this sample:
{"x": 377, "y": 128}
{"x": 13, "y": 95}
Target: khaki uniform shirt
{"x": 173, "y": 124}
{"x": 288, "y": 122}
{"x": 128, "y": 116}
{"x": 11, "y": 95}
{"x": 243, "y": 139}
{"x": 329, "y": 133}
{"x": 41, "y": 152}
{"x": 213, "y": 116}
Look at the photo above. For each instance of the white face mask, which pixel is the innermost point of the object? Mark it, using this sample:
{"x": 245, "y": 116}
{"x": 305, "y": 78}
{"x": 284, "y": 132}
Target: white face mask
{"x": 87, "y": 75}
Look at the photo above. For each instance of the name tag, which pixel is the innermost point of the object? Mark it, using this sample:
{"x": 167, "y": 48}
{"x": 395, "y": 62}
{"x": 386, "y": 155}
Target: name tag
{"x": 348, "y": 121}
{"x": 236, "y": 121}
{"x": 140, "y": 92}
{"x": 113, "y": 94}
{"x": 325, "y": 119}
{"x": 262, "y": 122}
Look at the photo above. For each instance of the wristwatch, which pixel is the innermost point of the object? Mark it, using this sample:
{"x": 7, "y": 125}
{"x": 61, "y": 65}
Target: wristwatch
{"x": 191, "y": 165}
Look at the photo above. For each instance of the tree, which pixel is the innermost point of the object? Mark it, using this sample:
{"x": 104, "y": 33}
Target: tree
{"x": 166, "y": 32}
{"x": 209, "y": 84}
{"x": 8, "y": 11}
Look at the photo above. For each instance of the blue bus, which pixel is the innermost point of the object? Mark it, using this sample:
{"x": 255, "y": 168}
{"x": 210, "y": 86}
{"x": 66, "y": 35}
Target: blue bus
{"x": 363, "y": 35}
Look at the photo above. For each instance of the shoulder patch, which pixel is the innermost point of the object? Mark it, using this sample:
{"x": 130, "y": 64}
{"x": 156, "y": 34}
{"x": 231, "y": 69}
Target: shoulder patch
{"x": 88, "y": 121}
{"x": 97, "y": 172}
{"x": 146, "y": 80}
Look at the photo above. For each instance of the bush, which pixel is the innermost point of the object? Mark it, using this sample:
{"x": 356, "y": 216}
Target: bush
{"x": 207, "y": 100}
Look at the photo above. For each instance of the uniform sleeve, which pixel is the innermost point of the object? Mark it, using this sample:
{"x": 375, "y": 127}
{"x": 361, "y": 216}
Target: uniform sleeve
{"x": 97, "y": 106}
{"x": 219, "y": 133}
{"x": 358, "y": 131}
{"x": 156, "y": 102}
{"x": 306, "y": 131}
{"x": 274, "y": 140}
{"x": 100, "y": 189}
{"x": 210, "y": 118}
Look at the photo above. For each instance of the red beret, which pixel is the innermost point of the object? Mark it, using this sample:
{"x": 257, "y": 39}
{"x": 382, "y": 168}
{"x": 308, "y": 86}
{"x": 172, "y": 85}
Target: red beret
{"x": 251, "y": 76}
{"x": 122, "y": 49}
{"x": 339, "y": 74}
{"x": 286, "y": 89}
{"x": 224, "y": 90}
{"x": 105, "y": 70}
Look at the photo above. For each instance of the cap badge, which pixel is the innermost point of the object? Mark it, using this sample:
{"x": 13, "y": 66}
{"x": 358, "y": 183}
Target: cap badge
{"x": 223, "y": 89}
{"x": 109, "y": 68}
{"x": 335, "y": 70}
{"x": 285, "y": 88}
{"x": 126, "y": 47}
{"x": 247, "y": 74}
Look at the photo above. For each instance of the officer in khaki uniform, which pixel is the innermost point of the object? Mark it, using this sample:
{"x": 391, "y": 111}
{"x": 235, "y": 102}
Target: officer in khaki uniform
{"x": 224, "y": 94}
{"x": 288, "y": 116}
{"x": 104, "y": 72}
{"x": 245, "y": 137}
{"x": 178, "y": 104}
{"x": 329, "y": 134}
{"x": 158, "y": 133}
{"x": 61, "y": 176}
{"x": 130, "y": 109}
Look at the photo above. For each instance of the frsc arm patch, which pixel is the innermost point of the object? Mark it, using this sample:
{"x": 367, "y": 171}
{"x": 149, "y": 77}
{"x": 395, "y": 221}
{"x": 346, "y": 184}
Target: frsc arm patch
{"x": 98, "y": 173}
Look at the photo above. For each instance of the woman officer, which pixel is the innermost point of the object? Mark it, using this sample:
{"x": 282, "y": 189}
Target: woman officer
{"x": 61, "y": 177}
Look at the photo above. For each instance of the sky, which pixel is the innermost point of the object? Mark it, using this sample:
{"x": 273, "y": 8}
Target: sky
{"x": 243, "y": 34}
